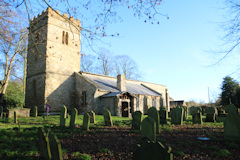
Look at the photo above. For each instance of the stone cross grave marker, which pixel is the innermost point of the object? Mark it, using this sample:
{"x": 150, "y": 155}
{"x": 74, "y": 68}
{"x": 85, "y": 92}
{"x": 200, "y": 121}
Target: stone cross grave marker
{"x": 137, "y": 120}
{"x": 148, "y": 129}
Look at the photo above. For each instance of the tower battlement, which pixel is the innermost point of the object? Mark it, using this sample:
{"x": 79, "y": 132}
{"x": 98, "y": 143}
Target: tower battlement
{"x": 55, "y": 13}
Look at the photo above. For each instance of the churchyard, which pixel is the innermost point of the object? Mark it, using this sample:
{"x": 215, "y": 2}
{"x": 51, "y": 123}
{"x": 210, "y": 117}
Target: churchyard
{"x": 195, "y": 134}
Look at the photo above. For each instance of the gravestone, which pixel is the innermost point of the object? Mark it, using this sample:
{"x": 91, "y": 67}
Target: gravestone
{"x": 73, "y": 118}
{"x": 153, "y": 113}
{"x": 92, "y": 117}
{"x": 44, "y": 146}
{"x": 197, "y": 118}
{"x": 185, "y": 113}
{"x": 63, "y": 116}
{"x": 194, "y": 109}
{"x": 86, "y": 121}
{"x": 232, "y": 124}
{"x": 15, "y": 117}
{"x": 55, "y": 145}
{"x": 177, "y": 116}
{"x": 163, "y": 115}
{"x": 107, "y": 118}
{"x": 35, "y": 111}
{"x": 137, "y": 120}
{"x": 152, "y": 151}
{"x": 211, "y": 114}
{"x": 148, "y": 129}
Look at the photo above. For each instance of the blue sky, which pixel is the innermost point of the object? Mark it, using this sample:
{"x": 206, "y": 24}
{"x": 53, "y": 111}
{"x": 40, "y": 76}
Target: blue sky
{"x": 177, "y": 52}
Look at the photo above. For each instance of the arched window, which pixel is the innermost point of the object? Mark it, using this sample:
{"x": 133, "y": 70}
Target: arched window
{"x": 37, "y": 38}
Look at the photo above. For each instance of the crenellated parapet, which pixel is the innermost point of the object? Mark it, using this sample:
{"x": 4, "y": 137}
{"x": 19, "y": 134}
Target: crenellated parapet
{"x": 55, "y": 13}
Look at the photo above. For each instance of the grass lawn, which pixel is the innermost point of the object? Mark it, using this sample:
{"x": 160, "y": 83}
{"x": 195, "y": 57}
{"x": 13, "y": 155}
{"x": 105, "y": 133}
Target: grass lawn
{"x": 102, "y": 142}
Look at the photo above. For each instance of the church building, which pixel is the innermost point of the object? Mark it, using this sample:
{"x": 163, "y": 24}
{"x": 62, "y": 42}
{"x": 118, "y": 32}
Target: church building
{"x": 54, "y": 77}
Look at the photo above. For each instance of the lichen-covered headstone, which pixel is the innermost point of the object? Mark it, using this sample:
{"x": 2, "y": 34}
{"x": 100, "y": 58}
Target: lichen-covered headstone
{"x": 44, "y": 146}
{"x": 107, "y": 118}
{"x": 73, "y": 118}
{"x": 152, "y": 151}
{"x": 232, "y": 124}
{"x": 63, "y": 116}
{"x": 35, "y": 111}
{"x": 15, "y": 117}
{"x": 153, "y": 113}
{"x": 137, "y": 120}
{"x": 92, "y": 117}
{"x": 163, "y": 115}
{"x": 55, "y": 145}
{"x": 86, "y": 121}
{"x": 211, "y": 114}
{"x": 148, "y": 129}
{"x": 197, "y": 118}
{"x": 177, "y": 116}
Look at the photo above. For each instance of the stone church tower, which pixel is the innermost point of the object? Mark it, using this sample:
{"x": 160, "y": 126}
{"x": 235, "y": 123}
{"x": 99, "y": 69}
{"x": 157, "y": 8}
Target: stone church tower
{"x": 53, "y": 57}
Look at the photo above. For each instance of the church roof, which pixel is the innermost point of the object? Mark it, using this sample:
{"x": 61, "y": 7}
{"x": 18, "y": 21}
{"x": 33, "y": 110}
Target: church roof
{"x": 106, "y": 83}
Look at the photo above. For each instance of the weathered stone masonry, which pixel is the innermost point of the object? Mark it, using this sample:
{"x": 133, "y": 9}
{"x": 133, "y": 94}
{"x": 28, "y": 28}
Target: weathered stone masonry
{"x": 53, "y": 57}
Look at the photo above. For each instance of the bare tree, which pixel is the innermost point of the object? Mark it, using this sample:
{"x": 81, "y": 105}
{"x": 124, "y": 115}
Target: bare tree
{"x": 87, "y": 63}
{"x": 11, "y": 43}
{"x": 105, "y": 62}
{"x": 126, "y": 66}
{"x": 231, "y": 28}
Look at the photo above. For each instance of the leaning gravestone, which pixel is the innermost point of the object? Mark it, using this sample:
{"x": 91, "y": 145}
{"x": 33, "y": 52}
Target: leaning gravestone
{"x": 63, "y": 116}
{"x": 55, "y": 145}
{"x": 92, "y": 117}
{"x": 153, "y": 113}
{"x": 73, "y": 118}
{"x": 232, "y": 124}
{"x": 107, "y": 118}
{"x": 137, "y": 120}
{"x": 197, "y": 118}
{"x": 177, "y": 116}
{"x": 86, "y": 121}
{"x": 211, "y": 114}
{"x": 148, "y": 129}
{"x": 152, "y": 151}
{"x": 163, "y": 115}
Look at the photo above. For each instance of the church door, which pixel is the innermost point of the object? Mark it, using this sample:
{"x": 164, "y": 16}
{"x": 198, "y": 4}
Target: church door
{"x": 124, "y": 109}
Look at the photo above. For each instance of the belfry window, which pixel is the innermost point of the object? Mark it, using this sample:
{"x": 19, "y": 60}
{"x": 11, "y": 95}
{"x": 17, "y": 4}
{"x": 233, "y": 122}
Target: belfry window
{"x": 65, "y": 38}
